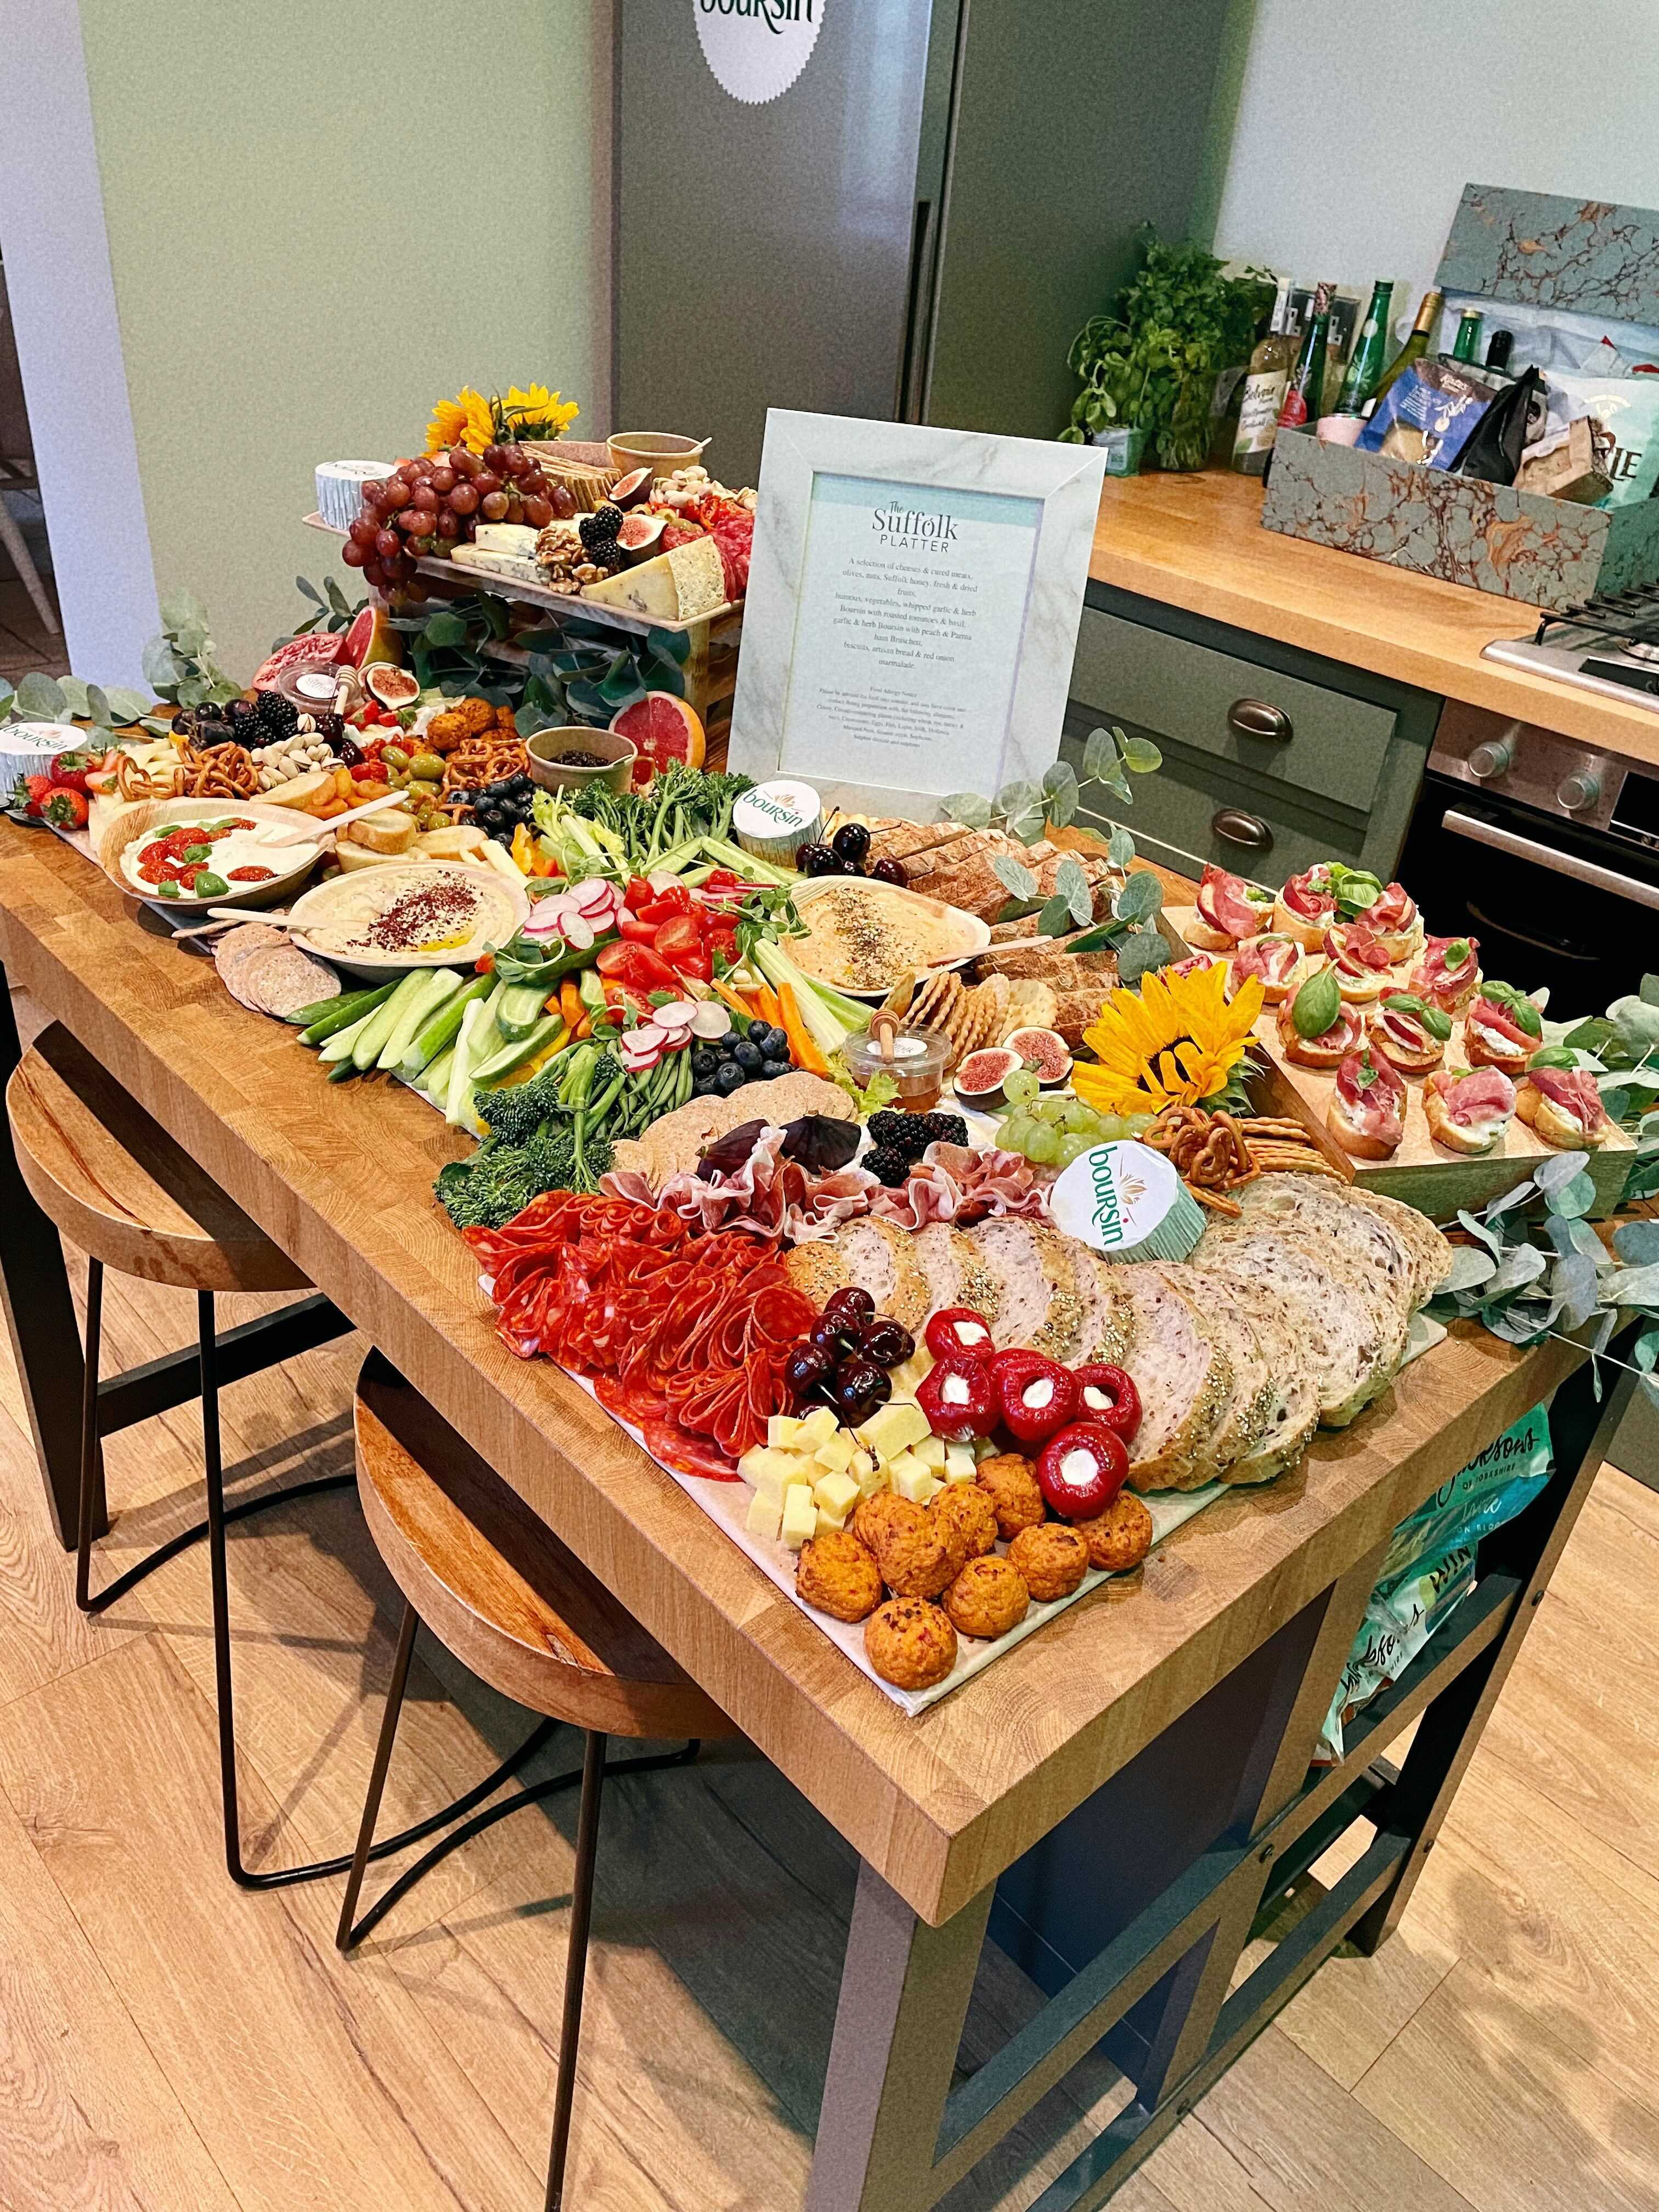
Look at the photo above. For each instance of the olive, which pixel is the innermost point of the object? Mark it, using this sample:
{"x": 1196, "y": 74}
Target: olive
{"x": 859, "y": 1387}
{"x": 887, "y": 1342}
{"x": 816, "y": 861}
{"x": 807, "y": 1369}
{"x": 849, "y": 1309}
{"x": 889, "y": 872}
{"x": 851, "y": 843}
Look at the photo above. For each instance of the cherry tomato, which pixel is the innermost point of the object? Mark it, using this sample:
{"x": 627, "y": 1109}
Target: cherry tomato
{"x": 637, "y": 929}
{"x": 675, "y": 900}
{"x": 639, "y": 894}
{"x": 700, "y": 963}
{"x": 644, "y": 970}
{"x": 723, "y": 879}
{"x": 723, "y": 943}
{"x": 678, "y": 937}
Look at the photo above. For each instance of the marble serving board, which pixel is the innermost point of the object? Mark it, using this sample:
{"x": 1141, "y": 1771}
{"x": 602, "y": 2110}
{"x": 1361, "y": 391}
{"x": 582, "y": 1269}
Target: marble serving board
{"x": 1435, "y": 1180}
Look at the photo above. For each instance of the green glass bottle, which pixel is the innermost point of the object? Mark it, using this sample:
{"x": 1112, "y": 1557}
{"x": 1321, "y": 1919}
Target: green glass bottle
{"x": 1428, "y": 315}
{"x": 1369, "y": 351}
{"x": 1469, "y": 335}
{"x": 1302, "y": 394}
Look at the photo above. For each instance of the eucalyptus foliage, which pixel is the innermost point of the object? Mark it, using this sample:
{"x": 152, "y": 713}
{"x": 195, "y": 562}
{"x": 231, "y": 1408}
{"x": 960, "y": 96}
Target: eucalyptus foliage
{"x": 570, "y": 671}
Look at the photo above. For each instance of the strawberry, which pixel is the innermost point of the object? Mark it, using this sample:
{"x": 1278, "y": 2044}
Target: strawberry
{"x": 31, "y": 794}
{"x": 64, "y": 807}
{"x": 68, "y": 770}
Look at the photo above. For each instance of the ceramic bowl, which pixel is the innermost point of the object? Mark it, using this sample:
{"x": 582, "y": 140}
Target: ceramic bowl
{"x": 131, "y": 821}
{"x": 656, "y": 450}
{"x": 547, "y": 768}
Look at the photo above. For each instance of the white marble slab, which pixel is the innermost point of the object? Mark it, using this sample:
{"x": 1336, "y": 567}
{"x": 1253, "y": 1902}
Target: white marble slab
{"x": 892, "y": 665}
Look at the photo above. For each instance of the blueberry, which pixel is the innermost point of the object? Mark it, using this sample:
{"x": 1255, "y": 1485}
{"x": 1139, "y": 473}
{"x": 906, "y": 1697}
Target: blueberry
{"x": 775, "y": 1045}
{"x": 705, "y": 1064}
{"x": 759, "y": 1031}
{"x": 730, "y": 1078}
{"x": 704, "y": 1087}
{"x": 772, "y": 1068}
{"x": 748, "y": 1056}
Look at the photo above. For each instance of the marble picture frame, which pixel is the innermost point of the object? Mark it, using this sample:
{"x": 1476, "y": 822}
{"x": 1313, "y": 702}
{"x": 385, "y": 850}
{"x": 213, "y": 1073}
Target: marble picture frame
{"x": 772, "y": 725}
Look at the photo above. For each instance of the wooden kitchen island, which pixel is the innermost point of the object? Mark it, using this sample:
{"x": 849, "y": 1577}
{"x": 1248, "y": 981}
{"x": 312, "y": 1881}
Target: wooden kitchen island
{"x": 1173, "y": 1712}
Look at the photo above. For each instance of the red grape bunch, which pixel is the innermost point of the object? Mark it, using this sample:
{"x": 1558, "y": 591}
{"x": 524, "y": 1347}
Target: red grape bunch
{"x": 425, "y": 506}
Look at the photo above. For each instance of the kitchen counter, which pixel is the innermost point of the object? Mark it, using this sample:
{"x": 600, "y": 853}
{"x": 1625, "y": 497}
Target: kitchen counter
{"x": 1196, "y": 542}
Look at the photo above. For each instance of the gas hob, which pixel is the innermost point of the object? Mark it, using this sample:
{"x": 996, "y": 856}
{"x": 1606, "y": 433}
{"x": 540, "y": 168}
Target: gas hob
{"x": 1609, "y": 645}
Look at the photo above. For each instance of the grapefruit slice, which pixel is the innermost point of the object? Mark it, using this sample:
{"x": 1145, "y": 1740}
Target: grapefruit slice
{"x": 661, "y": 728}
{"x": 371, "y": 637}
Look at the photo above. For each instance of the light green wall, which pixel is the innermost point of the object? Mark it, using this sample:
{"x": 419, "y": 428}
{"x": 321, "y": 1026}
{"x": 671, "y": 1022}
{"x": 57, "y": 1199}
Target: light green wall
{"x": 322, "y": 217}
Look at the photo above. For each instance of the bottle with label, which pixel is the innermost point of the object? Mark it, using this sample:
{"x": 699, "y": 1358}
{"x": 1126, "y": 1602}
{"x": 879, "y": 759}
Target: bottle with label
{"x": 1370, "y": 348}
{"x": 1468, "y": 334}
{"x": 1302, "y": 393}
{"x": 1428, "y": 315}
{"x": 1264, "y": 381}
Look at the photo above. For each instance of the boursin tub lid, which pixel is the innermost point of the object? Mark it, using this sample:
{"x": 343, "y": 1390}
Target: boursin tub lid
{"x": 775, "y": 817}
{"x": 1127, "y": 1202}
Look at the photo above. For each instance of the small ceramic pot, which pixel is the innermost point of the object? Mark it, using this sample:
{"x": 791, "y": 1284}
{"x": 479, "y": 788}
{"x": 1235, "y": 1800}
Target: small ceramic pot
{"x": 550, "y": 769}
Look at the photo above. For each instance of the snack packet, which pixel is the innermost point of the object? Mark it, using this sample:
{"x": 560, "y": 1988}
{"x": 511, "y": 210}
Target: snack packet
{"x": 1429, "y": 413}
{"x": 1628, "y": 407}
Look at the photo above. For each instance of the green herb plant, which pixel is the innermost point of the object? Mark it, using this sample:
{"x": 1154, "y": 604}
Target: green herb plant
{"x": 556, "y": 674}
{"x": 331, "y": 611}
{"x": 177, "y": 664}
{"x": 1024, "y": 811}
{"x": 1153, "y": 364}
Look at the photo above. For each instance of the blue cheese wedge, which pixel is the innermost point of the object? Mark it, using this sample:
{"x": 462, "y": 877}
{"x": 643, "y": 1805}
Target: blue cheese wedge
{"x": 518, "y": 567}
{"x": 675, "y": 586}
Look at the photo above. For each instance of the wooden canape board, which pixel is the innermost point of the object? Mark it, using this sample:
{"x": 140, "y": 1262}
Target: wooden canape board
{"x": 1422, "y": 1173}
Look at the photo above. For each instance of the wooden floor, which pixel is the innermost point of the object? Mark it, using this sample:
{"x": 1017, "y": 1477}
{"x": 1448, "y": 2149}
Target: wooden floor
{"x": 169, "y": 2043}
{"x": 25, "y": 641}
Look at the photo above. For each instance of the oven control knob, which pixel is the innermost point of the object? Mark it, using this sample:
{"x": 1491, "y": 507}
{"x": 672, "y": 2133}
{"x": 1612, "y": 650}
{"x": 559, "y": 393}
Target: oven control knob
{"x": 1581, "y": 789}
{"x": 1493, "y": 758}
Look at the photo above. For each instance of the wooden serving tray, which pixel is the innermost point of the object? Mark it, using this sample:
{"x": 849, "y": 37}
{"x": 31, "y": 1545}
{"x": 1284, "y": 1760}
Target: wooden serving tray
{"x": 1422, "y": 1173}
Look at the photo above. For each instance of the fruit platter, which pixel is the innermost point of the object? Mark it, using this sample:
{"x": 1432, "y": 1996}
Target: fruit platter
{"x": 1440, "y": 1083}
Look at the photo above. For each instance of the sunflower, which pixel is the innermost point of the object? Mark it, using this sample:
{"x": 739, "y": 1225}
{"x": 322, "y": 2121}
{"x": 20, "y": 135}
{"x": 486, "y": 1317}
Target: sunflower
{"x": 537, "y": 413}
{"x": 465, "y": 420}
{"x": 1173, "y": 1042}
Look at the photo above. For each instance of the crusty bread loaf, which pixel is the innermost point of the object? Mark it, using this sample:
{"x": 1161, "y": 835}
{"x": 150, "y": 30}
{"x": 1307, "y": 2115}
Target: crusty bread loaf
{"x": 1293, "y": 1411}
{"x": 1184, "y": 1377}
{"x": 958, "y": 1273}
{"x": 1036, "y": 1270}
{"x": 873, "y": 1254}
{"x": 1348, "y": 1328}
{"x": 1431, "y": 1252}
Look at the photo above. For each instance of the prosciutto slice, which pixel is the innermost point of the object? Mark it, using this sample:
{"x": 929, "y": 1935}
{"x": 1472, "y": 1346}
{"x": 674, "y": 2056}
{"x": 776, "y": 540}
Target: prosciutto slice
{"x": 1392, "y": 914}
{"x": 1435, "y": 977}
{"x": 954, "y": 1182}
{"x": 1485, "y": 1095}
{"x": 1354, "y": 949}
{"x": 1493, "y": 1014}
{"x": 1573, "y": 1091}
{"x": 1274, "y": 959}
{"x": 769, "y": 1196}
{"x": 1225, "y": 903}
{"x": 1309, "y": 895}
{"x": 1373, "y": 1097}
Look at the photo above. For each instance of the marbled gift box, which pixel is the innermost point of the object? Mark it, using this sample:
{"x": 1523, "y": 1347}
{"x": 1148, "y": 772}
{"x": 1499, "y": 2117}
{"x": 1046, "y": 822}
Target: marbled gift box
{"x": 1589, "y": 256}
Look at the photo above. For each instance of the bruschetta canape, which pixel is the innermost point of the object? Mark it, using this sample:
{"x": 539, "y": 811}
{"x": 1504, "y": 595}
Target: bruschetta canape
{"x": 1227, "y": 911}
{"x": 1468, "y": 1110}
{"x": 1448, "y": 972}
{"x": 1502, "y": 1029}
{"x": 1367, "y": 1110}
{"x": 1409, "y": 1032}
{"x": 1563, "y": 1106}
{"x": 1315, "y": 1029}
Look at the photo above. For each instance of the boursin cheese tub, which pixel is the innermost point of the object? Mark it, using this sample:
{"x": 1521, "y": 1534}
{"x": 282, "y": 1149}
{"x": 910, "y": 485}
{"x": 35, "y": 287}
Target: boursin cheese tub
{"x": 1127, "y": 1201}
{"x": 773, "y": 820}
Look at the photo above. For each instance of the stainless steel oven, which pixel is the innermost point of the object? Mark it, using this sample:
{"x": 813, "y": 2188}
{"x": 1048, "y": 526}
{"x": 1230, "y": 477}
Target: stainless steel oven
{"x": 1546, "y": 850}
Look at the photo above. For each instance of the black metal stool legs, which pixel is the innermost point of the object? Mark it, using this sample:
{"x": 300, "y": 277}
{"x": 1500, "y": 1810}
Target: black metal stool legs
{"x": 83, "y": 1597}
{"x": 575, "y": 1962}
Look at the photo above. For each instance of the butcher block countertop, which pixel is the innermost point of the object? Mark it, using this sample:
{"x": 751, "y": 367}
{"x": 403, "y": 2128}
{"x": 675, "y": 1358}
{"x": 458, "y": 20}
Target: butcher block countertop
{"x": 1196, "y": 542}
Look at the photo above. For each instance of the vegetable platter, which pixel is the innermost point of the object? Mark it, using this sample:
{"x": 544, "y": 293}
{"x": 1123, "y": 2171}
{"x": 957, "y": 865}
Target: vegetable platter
{"x": 1446, "y": 1087}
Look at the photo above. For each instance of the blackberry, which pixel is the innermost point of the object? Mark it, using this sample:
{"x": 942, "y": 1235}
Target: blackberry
{"x": 277, "y": 717}
{"x": 597, "y": 530}
{"x": 944, "y": 1129}
{"x": 888, "y": 1127}
{"x": 887, "y": 1165}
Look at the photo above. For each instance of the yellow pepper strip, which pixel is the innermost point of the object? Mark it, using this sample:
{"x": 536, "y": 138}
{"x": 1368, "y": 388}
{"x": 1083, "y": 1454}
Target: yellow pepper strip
{"x": 523, "y": 851}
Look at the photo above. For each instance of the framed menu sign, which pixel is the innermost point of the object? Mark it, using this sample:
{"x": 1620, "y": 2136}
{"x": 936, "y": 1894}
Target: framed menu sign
{"x": 913, "y": 607}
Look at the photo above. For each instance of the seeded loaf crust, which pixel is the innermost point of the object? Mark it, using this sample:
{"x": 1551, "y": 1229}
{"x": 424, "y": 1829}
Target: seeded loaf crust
{"x": 1350, "y": 1327}
{"x": 1292, "y": 1409}
{"x": 1430, "y": 1248}
{"x": 873, "y": 1254}
{"x": 1039, "y": 1303}
{"x": 957, "y": 1274}
{"x": 1185, "y": 1379}
{"x": 1254, "y": 1396}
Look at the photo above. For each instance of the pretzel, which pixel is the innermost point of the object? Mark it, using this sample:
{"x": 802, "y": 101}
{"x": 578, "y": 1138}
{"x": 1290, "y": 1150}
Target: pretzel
{"x": 132, "y": 781}
{"x": 481, "y": 760}
{"x": 225, "y": 771}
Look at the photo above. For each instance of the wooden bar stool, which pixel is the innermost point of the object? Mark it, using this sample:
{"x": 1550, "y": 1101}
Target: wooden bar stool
{"x": 116, "y": 1185}
{"x": 499, "y": 1590}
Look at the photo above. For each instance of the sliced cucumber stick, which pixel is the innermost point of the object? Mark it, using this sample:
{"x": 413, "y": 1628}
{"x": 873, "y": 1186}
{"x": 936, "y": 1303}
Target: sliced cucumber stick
{"x": 441, "y": 985}
{"x": 386, "y": 1017}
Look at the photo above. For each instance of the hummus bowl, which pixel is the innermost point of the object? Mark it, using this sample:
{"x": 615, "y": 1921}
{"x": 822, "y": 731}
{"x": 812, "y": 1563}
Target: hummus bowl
{"x": 133, "y": 848}
{"x": 375, "y": 922}
{"x": 863, "y": 936}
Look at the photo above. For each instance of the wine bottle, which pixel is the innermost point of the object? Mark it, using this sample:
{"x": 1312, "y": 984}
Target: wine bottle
{"x": 1370, "y": 348}
{"x": 1469, "y": 335}
{"x": 1302, "y": 394}
{"x": 1416, "y": 345}
{"x": 1265, "y": 382}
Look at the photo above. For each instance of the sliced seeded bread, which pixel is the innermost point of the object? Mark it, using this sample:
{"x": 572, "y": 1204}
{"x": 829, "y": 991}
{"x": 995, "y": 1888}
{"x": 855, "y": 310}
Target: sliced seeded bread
{"x": 1431, "y": 1249}
{"x": 1347, "y": 1323}
{"x": 957, "y": 1274}
{"x": 875, "y": 1256}
{"x": 1253, "y": 1397}
{"x": 1184, "y": 1377}
{"x": 1292, "y": 1411}
{"x": 1374, "y": 1246}
{"x": 1039, "y": 1302}
{"x": 1108, "y": 1327}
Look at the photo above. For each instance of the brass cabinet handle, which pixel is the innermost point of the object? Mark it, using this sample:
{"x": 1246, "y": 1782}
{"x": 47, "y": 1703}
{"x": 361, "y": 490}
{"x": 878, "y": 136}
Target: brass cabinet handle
{"x": 1234, "y": 827}
{"x": 1255, "y": 718}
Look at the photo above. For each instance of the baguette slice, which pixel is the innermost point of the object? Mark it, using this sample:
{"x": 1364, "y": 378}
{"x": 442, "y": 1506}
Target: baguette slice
{"x": 957, "y": 1274}
{"x": 1348, "y": 1331}
{"x": 1184, "y": 1377}
{"x": 1036, "y": 1269}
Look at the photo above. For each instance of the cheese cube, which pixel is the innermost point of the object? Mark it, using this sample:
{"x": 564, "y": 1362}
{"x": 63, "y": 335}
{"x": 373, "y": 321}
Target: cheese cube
{"x": 984, "y": 1448}
{"x": 819, "y": 1425}
{"x": 836, "y": 1457}
{"x": 959, "y": 1463}
{"x": 828, "y": 1520}
{"x": 912, "y": 1371}
{"x": 910, "y": 1479}
{"x": 930, "y": 1452}
{"x": 891, "y": 1428}
{"x": 782, "y": 1429}
{"x": 836, "y": 1493}
{"x": 801, "y": 1516}
{"x": 867, "y": 1473}
{"x": 765, "y": 1516}
{"x": 773, "y": 1471}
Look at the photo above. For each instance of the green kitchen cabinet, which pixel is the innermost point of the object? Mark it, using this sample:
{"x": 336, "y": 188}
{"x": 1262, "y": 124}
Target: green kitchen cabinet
{"x": 1273, "y": 758}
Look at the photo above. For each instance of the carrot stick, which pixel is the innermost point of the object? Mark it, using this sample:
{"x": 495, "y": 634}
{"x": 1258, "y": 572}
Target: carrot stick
{"x": 802, "y": 1050}
{"x": 735, "y": 999}
{"x": 570, "y": 1002}
{"x": 770, "y": 1004}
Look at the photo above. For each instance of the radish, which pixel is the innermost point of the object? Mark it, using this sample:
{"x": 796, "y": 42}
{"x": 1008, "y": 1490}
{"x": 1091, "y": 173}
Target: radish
{"x": 711, "y": 1020}
{"x": 579, "y": 933}
{"x": 648, "y": 1038}
{"x": 678, "y": 1013}
{"x": 594, "y": 897}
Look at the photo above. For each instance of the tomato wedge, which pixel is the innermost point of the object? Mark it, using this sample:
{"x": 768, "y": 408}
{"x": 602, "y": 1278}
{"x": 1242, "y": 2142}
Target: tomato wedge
{"x": 637, "y": 929}
{"x": 636, "y": 965}
{"x": 666, "y": 904}
{"x": 676, "y": 937}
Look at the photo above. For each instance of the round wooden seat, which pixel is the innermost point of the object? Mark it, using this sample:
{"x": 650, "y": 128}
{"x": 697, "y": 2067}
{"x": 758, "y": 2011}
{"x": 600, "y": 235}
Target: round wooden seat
{"x": 117, "y": 1186}
{"x": 497, "y": 1588}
